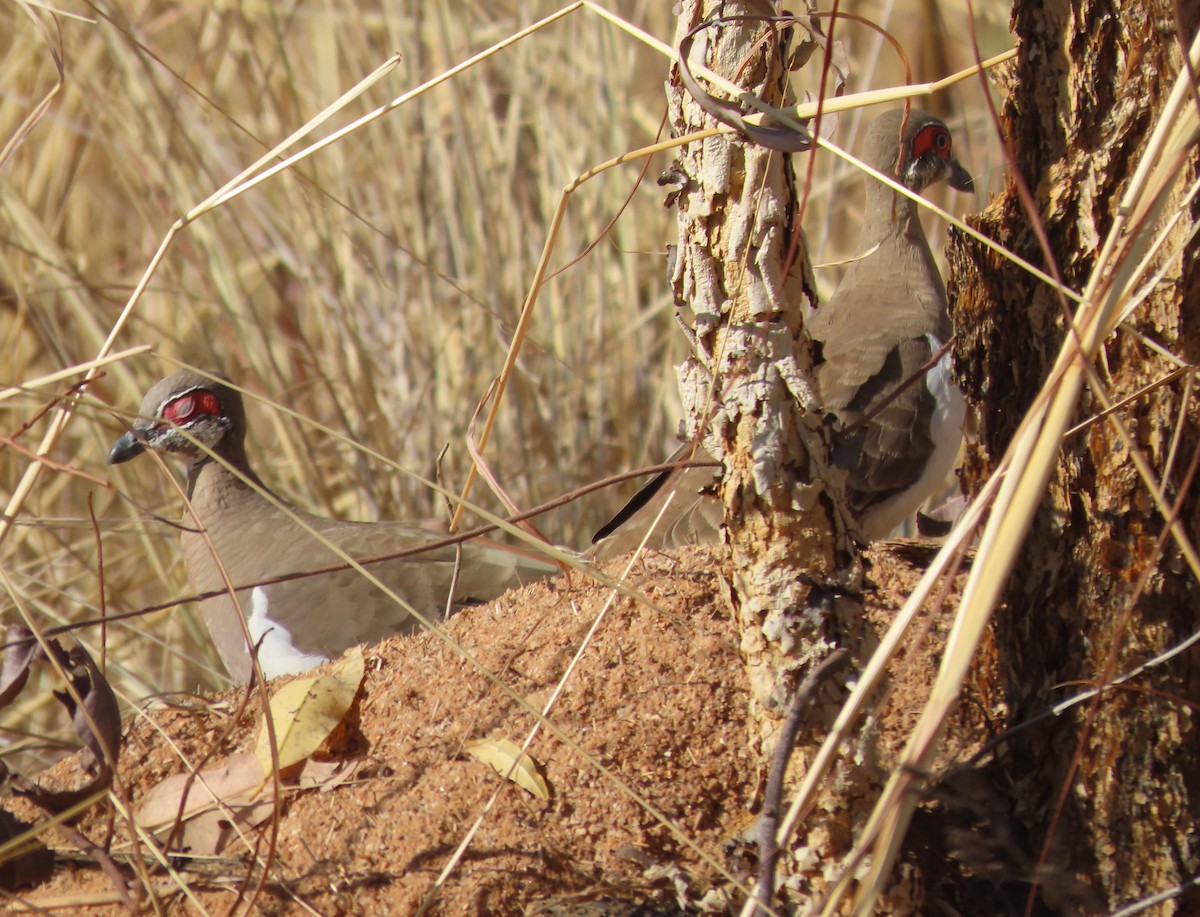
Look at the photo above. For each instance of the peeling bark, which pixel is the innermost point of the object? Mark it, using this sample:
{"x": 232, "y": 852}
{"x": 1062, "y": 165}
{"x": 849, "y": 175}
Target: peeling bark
{"x": 748, "y": 383}
{"x": 1082, "y": 99}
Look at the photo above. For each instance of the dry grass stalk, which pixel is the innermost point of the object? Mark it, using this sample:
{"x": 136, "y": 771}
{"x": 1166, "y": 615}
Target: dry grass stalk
{"x": 374, "y": 284}
{"x": 1117, "y": 277}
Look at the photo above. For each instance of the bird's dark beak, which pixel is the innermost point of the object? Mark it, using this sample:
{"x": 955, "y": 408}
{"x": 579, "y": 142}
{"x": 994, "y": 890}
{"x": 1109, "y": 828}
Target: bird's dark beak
{"x": 126, "y": 448}
{"x": 960, "y": 179}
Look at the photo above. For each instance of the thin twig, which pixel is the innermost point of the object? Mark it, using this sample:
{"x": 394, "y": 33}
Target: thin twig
{"x": 768, "y": 822}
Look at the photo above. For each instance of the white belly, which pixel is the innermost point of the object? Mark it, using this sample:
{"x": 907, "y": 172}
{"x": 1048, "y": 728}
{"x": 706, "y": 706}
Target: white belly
{"x": 277, "y": 655}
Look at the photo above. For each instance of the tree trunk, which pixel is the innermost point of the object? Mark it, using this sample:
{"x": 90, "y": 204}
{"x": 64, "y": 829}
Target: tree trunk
{"x": 748, "y": 383}
{"x": 1106, "y": 795}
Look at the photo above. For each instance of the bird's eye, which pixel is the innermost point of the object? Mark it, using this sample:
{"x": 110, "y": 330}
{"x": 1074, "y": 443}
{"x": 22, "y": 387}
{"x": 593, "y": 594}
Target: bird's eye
{"x": 187, "y": 407}
{"x": 933, "y": 137}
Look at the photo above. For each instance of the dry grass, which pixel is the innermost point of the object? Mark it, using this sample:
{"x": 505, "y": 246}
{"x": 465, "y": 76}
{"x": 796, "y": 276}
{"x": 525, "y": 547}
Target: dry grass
{"x": 372, "y": 289}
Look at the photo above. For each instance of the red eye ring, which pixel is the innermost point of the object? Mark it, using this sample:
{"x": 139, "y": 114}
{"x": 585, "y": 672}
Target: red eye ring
{"x": 190, "y": 405}
{"x": 931, "y": 137}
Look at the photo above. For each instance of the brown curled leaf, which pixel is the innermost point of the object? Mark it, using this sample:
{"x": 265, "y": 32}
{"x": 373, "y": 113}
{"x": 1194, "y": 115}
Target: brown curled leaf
{"x": 99, "y": 709}
{"x": 17, "y": 658}
{"x": 774, "y": 136}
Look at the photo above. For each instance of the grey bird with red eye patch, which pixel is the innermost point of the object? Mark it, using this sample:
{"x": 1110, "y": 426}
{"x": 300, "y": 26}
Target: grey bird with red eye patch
{"x": 887, "y": 320}
{"x": 257, "y": 537}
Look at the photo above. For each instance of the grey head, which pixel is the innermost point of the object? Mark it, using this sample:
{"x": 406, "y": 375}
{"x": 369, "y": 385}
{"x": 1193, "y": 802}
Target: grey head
{"x": 921, "y": 156}
{"x": 182, "y": 410}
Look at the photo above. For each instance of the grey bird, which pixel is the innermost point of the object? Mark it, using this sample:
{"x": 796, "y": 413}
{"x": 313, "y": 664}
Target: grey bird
{"x": 298, "y": 623}
{"x": 887, "y": 320}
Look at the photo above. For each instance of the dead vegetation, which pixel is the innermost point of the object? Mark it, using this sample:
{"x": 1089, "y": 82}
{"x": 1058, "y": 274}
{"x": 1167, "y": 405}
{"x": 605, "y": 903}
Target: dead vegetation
{"x": 368, "y": 294}
{"x": 653, "y": 785}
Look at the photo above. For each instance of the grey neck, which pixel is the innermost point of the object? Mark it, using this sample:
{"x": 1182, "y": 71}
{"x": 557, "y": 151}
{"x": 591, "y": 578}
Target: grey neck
{"x": 231, "y": 452}
{"x": 888, "y": 214}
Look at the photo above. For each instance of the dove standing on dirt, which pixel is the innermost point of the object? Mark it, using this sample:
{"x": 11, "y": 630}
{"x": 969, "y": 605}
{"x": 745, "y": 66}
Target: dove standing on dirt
{"x": 302, "y": 622}
{"x": 897, "y": 414}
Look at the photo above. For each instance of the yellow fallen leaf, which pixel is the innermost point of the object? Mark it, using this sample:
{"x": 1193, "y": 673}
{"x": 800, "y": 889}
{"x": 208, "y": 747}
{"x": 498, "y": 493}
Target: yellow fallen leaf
{"x": 306, "y": 711}
{"x": 500, "y": 754}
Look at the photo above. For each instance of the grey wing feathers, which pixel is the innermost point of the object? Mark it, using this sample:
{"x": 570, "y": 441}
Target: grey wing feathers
{"x": 885, "y": 452}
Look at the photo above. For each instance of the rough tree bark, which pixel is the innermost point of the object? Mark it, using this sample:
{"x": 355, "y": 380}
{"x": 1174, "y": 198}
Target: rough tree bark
{"x": 1082, "y": 100}
{"x": 748, "y": 381}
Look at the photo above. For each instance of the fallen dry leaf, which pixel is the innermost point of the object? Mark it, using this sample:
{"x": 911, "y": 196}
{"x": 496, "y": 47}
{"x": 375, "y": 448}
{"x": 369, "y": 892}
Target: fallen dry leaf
{"x": 501, "y": 753}
{"x": 212, "y": 806}
{"x": 97, "y": 722}
{"x": 325, "y": 775}
{"x": 306, "y": 711}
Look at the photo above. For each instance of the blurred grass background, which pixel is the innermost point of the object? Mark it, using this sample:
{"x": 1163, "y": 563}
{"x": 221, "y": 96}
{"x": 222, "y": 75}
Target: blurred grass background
{"x": 374, "y": 287}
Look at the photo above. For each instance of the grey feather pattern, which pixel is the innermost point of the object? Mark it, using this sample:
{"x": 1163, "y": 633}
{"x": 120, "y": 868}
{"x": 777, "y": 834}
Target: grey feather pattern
{"x": 874, "y": 334}
{"x": 254, "y": 540}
